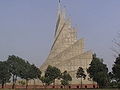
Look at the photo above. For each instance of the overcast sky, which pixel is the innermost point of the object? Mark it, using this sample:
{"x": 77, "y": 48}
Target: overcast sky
{"x": 27, "y": 27}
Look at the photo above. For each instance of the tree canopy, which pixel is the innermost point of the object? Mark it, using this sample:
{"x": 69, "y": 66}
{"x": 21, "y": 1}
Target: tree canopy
{"x": 51, "y": 73}
{"x": 29, "y": 72}
{"x": 4, "y": 73}
{"x": 98, "y": 71}
{"x": 65, "y": 78}
{"x": 15, "y": 64}
{"x": 21, "y": 68}
{"x": 80, "y": 74}
{"x": 115, "y": 74}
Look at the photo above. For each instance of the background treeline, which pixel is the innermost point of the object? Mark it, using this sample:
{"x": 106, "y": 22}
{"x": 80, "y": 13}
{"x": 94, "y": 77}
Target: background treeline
{"x": 15, "y": 67}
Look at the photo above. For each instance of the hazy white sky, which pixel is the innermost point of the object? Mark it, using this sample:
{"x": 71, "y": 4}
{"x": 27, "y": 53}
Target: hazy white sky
{"x": 27, "y": 26}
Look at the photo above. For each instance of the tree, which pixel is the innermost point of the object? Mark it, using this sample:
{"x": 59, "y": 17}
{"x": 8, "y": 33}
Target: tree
{"x": 65, "y": 78}
{"x": 64, "y": 83}
{"x": 112, "y": 81}
{"x": 111, "y": 76}
{"x": 52, "y": 73}
{"x": 80, "y": 74}
{"x": 98, "y": 71}
{"x": 102, "y": 79}
{"x": 29, "y": 72}
{"x": 15, "y": 65}
{"x": 21, "y": 82}
{"x": 26, "y": 72}
{"x": 35, "y": 72}
{"x": 116, "y": 70}
{"x": 23, "y": 69}
{"x": 4, "y": 73}
{"x": 46, "y": 81}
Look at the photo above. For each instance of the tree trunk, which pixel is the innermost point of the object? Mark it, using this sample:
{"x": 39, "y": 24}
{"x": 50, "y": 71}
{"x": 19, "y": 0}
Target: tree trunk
{"x": 81, "y": 83}
{"x": 54, "y": 83}
{"x": 34, "y": 84}
{"x": 3, "y": 84}
{"x": 26, "y": 84}
{"x": 45, "y": 86}
{"x": 15, "y": 79}
{"x": 98, "y": 85}
{"x": 13, "y": 86}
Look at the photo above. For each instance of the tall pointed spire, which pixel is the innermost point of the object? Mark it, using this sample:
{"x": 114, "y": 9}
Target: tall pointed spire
{"x": 60, "y": 12}
{"x": 59, "y": 4}
{"x": 63, "y": 26}
{"x": 59, "y": 1}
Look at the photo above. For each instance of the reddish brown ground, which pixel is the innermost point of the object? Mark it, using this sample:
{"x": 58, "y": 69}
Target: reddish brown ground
{"x": 57, "y": 86}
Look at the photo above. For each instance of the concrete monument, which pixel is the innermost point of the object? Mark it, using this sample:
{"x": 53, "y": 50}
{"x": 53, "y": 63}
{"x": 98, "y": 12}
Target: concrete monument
{"x": 67, "y": 53}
